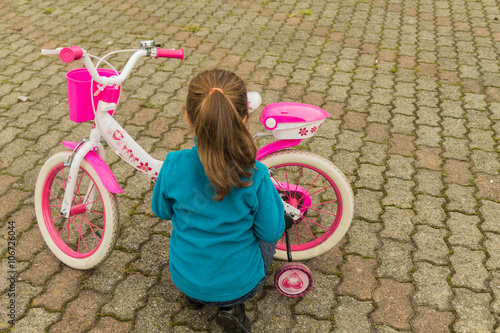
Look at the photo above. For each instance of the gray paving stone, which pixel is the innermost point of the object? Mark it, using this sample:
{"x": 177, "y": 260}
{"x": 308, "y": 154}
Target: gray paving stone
{"x": 363, "y": 238}
{"x": 351, "y": 315}
{"x": 429, "y": 182}
{"x": 464, "y": 230}
{"x": 395, "y": 260}
{"x": 432, "y": 289}
{"x": 460, "y": 198}
{"x": 494, "y": 284}
{"x": 428, "y": 136}
{"x": 346, "y": 161}
{"x": 430, "y": 210}
{"x": 135, "y": 287}
{"x": 486, "y": 162}
{"x": 36, "y": 320}
{"x": 275, "y": 313}
{"x": 456, "y": 148}
{"x": 155, "y": 316}
{"x": 431, "y": 245}
{"x": 110, "y": 272}
{"x": 304, "y": 323}
{"x": 350, "y": 140}
{"x": 490, "y": 211}
{"x": 373, "y": 153}
{"x": 153, "y": 255}
{"x": 370, "y": 177}
{"x": 399, "y": 193}
{"x": 397, "y": 224}
{"x": 473, "y": 311}
{"x": 492, "y": 245}
{"x": 24, "y": 293}
{"x": 469, "y": 268}
{"x": 320, "y": 300}
{"x": 400, "y": 167}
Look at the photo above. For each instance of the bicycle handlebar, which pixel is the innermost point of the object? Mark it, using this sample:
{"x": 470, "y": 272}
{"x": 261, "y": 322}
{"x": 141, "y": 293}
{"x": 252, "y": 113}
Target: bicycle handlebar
{"x": 163, "y": 53}
{"x": 69, "y": 54}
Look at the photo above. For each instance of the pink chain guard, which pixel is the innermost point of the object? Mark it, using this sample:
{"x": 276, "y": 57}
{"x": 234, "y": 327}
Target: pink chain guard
{"x": 105, "y": 174}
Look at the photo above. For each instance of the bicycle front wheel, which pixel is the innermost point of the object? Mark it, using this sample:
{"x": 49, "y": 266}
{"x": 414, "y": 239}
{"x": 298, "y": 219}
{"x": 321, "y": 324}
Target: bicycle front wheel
{"x": 322, "y": 194}
{"x": 87, "y": 237}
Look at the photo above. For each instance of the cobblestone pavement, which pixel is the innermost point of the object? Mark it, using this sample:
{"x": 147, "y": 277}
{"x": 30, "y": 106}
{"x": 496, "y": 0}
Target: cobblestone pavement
{"x": 413, "y": 88}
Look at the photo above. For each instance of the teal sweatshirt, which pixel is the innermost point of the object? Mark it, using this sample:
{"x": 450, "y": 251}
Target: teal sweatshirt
{"x": 214, "y": 246}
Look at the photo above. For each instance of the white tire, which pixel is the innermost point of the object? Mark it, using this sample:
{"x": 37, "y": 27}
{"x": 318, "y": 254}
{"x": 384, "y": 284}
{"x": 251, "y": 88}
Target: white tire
{"x": 87, "y": 237}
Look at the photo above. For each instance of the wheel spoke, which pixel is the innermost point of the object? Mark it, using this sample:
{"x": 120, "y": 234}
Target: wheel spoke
{"x": 88, "y": 203}
{"x": 78, "y": 187}
{"x": 67, "y": 240}
{"x": 286, "y": 193}
{"x": 309, "y": 229}
{"x": 62, "y": 185}
{"x": 95, "y": 226}
{"x": 316, "y": 223}
{"x": 89, "y": 210}
{"x": 321, "y": 203}
{"x": 286, "y": 174}
{"x": 303, "y": 195}
{"x": 320, "y": 190}
{"x": 297, "y": 232}
{"x": 90, "y": 226}
{"x": 89, "y": 193}
{"x": 52, "y": 194}
{"x": 81, "y": 221}
{"x": 322, "y": 211}
{"x": 67, "y": 224}
{"x": 300, "y": 175}
{"x": 80, "y": 236}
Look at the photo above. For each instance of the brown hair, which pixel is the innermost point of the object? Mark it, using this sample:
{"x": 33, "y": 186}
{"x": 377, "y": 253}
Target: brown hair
{"x": 225, "y": 146}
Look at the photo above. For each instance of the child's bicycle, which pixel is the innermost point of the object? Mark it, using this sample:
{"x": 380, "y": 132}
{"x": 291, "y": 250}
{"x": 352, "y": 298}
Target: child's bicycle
{"x": 75, "y": 195}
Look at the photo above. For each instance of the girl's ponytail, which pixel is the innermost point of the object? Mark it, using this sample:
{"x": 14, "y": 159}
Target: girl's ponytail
{"x": 217, "y": 107}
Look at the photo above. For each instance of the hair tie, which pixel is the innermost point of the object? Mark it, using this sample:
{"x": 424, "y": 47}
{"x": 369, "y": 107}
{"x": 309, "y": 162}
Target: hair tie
{"x": 215, "y": 89}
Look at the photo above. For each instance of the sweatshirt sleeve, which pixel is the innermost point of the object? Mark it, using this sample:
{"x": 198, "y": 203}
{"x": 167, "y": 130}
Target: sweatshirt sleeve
{"x": 161, "y": 204}
{"x": 269, "y": 223}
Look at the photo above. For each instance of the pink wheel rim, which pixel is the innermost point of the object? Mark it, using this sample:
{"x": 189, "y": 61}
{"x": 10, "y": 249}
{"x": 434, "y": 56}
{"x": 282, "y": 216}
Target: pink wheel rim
{"x": 319, "y": 217}
{"x": 59, "y": 228}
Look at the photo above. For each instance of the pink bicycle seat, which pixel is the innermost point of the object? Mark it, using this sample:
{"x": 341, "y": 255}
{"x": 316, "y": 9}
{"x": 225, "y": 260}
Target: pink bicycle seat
{"x": 292, "y": 120}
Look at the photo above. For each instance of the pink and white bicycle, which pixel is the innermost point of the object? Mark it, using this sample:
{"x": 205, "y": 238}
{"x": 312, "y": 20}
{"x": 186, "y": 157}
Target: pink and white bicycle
{"x": 75, "y": 195}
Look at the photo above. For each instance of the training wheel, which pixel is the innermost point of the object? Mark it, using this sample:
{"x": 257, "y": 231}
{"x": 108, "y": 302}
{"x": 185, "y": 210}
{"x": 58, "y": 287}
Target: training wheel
{"x": 293, "y": 279}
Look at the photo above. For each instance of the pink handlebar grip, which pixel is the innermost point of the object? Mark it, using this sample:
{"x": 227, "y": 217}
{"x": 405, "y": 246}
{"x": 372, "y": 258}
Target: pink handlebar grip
{"x": 163, "y": 53}
{"x": 68, "y": 54}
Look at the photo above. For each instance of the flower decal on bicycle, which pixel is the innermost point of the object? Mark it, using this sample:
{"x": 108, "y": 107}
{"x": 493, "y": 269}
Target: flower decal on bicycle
{"x": 303, "y": 131}
{"x": 155, "y": 177}
{"x": 314, "y": 129}
{"x": 144, "y": 167}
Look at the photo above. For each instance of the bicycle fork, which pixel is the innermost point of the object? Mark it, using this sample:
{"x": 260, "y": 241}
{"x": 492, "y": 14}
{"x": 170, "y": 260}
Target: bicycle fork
{"x": 74, "y": 162}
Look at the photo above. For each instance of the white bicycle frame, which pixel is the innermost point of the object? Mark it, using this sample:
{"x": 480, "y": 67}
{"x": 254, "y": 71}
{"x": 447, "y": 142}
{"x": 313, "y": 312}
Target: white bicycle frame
{"x": 117, "y": 138}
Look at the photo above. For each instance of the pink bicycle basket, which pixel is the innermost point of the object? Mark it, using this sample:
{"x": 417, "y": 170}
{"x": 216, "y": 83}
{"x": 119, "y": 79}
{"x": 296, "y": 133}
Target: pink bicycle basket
{"x": 80, "y": 104}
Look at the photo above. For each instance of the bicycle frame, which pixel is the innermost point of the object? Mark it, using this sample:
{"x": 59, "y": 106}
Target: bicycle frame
{"x": 120, "y": 142}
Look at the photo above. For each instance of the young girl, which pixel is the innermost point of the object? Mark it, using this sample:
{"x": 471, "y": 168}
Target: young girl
{"x": 225, "y": 211}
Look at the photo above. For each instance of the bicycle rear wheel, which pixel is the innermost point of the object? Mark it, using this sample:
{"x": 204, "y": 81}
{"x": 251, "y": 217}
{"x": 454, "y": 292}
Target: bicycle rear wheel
{"x": 87, "y": 237}
{"x": 323, "y": 195}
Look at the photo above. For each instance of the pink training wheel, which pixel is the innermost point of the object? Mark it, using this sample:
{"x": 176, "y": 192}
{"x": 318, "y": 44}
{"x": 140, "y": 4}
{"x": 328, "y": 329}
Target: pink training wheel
{"x": 293, "y": 279}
